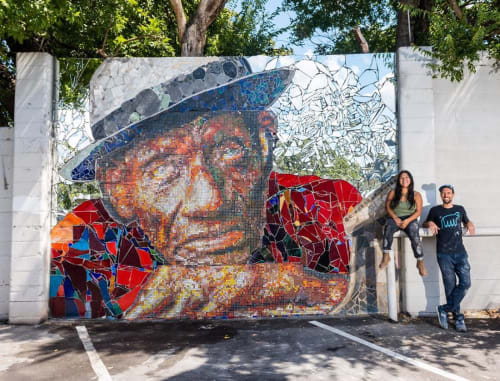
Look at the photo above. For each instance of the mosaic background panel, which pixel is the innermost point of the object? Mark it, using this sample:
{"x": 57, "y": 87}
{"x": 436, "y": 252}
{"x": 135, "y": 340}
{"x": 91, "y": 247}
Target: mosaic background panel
{"x": 194, "y": 222}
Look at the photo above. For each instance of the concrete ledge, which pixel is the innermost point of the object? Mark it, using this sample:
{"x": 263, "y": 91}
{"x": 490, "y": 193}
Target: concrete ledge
{"x": 480, "y": 232}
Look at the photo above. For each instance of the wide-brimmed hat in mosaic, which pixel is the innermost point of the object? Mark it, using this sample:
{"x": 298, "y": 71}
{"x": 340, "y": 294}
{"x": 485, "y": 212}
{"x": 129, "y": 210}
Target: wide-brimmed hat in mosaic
{"x": 226, "y": 84}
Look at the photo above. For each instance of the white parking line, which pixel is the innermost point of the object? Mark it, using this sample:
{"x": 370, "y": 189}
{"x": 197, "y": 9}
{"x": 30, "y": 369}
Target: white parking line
{"x": 388, "y": 352}
{"x": 95, "y": 361}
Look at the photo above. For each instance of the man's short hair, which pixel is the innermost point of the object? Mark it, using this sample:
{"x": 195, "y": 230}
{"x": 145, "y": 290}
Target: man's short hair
{"x": 446, "y": 186}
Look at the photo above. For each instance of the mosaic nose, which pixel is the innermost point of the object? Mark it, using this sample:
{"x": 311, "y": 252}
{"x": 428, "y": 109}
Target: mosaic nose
{"x": 203, "y": 194}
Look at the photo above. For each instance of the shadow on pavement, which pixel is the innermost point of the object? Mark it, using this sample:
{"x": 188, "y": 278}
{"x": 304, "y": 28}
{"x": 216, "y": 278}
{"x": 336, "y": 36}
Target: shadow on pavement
{"x": 273, "y": 349}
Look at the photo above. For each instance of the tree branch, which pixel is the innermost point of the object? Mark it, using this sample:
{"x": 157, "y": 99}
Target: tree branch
{"x": 361, "y": 40}
{"x": 153, "y": 36}
{"x": 180, "y": 16}
{"x": 207, "y": 12}
{"x": 456, "y": 9}
{"x": 102, "y": 50}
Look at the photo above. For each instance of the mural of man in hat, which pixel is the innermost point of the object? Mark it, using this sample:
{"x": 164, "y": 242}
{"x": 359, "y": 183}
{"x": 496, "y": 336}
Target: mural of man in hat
{"x": 183, "y": 168}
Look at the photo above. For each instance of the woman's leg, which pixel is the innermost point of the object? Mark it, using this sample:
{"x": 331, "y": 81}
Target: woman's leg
{"x": 416, "y": 244}
{"x": 390, "y": 228}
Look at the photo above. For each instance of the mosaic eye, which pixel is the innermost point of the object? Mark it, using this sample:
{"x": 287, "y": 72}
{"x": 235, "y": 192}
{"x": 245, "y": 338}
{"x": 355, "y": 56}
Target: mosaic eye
{"x": 229, "y": 153}
{"x": 165, "y": 168}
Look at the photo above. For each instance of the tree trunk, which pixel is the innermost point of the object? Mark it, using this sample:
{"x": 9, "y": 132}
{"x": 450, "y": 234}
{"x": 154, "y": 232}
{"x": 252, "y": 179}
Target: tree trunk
{"x": 421, "y": 26}
{"x": 193, "y": 41}
{"x": 7, "y": 84}
{"x": 363, "y": 45}
{"x": 411, "y": 29}
{"x": 194, "y": 37}
{"x": 404, "y": 34}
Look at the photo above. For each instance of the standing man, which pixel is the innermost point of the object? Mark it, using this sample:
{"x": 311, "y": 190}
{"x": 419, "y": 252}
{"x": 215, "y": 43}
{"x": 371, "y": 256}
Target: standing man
{"x": 446, "y": 221}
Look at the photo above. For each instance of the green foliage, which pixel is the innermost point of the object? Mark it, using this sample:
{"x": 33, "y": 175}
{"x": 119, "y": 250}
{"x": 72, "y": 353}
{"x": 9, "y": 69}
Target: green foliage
{"x": 70, "y": 195}
{"x": 330, "y": 165}
{"x": 335, "y": 20}
{"x": 87, "y": 28}
{"x": 75, "y": 76}
{"x": 457, "y": 40}
{"x": 250, "y": 32}
{"x": 84, "y": 29}
{"x": 126, "y": 28}
{"x": 456, "y": 36}
{"x": 381, "y": 39}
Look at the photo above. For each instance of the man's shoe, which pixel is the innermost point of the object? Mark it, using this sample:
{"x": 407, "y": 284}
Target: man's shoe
{"x": 421, "y": 268}
{"x": 386, "y": 258}
{"x": 442, "y": 317}
{"x": 460, "y": 325}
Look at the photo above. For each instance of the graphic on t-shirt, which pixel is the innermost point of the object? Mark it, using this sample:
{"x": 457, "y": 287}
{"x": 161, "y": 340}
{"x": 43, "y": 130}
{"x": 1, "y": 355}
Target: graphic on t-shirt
{"x": 450, "y": 220}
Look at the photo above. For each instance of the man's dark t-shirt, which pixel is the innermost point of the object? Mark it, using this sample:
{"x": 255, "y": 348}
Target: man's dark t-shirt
{"x": 449, "y": 222}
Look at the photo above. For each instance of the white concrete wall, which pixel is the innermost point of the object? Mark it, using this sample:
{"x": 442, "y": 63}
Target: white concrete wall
{"x": 6, "y": 153}
{"x": 449, "y": 133}
{"x": 32, "y": 182}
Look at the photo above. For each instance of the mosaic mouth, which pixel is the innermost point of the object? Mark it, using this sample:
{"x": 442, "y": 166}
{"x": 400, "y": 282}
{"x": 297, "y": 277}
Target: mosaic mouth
{"x": 214, "y": 244}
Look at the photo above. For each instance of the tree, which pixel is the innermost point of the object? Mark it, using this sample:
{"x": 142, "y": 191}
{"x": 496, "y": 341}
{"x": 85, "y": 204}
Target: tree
{"x": 193, "y": 31}
{"x": 127, "y": 28}
{"x": 349, "y": 26}
{"x": 456, "y": 30}
{"x": 246, "y": 33}
{"x": 459, "y": 31}
{"x": 82, "y": 29}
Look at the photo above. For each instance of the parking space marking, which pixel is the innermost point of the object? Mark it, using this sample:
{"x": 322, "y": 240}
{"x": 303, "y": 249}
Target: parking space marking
{"x": 417, "y": 363}
{"x": 95, "y": 361}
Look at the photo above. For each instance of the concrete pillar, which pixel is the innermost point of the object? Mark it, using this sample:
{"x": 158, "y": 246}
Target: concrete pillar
{"x": 32, "y": 186}
{"x": 449, "y": 134}
{"x": 6, "y": 153}
{"x": 417, "y": 153}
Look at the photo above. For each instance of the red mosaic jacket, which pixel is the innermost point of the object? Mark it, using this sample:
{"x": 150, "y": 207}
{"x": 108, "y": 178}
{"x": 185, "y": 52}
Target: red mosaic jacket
{"x": 99, "y": 266}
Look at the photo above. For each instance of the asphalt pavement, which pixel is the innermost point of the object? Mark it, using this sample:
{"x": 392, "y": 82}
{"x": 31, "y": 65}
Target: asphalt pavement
{"x": 361, "y": 348}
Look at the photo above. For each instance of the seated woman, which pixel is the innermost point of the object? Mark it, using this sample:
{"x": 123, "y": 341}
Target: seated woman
{"x": 404, "y": 206}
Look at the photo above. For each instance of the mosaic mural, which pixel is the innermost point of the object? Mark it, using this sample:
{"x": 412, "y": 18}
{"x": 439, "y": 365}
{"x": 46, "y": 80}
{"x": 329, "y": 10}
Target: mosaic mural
{"x": 194, "y": 220}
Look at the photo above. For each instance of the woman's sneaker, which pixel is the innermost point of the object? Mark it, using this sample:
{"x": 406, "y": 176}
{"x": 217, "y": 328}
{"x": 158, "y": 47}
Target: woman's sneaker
{"x": 443, "y": 317}
{"x": 460, "y": 325}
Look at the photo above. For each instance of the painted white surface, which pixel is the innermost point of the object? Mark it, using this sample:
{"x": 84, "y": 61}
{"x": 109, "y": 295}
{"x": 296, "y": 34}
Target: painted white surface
{"x": 6, "y": 152}
{"x": 417, "y": 363}
{"x": 449, "y": 133}
{"x": 95, "y": 361}
{"x": 31, "y": 188}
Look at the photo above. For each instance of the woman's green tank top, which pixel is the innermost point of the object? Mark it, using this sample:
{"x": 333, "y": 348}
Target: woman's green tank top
{"x": 404, "y": 209}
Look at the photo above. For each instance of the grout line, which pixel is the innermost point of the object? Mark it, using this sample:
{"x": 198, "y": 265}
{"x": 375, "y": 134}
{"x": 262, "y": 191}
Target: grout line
{"x": 417, "y": 363}
{"x": 95, "y": 361}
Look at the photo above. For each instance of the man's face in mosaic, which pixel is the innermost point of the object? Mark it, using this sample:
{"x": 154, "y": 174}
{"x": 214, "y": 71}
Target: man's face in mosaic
{"x": 198, "y": 189}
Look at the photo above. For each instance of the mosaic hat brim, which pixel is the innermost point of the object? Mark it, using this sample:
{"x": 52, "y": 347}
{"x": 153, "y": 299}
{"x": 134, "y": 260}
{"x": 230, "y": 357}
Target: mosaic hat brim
{"x": 245, "y": 92}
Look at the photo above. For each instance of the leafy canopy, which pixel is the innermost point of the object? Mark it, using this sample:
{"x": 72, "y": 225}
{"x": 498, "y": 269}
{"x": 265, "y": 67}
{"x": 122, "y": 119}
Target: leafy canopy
{"x": 459, "y": 34}
{"x": 123, "y": 28}
{"x": 334, "y": 21}
{"x": 456, "y": 30}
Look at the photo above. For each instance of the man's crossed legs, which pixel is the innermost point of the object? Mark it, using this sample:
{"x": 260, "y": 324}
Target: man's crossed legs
{"x": 454, "y": 266}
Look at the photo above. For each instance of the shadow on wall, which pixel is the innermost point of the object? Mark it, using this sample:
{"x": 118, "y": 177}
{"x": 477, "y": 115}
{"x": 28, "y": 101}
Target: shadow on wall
{"x": 365, "y": 225}
{"x": 430, "y": 196}
{"x": 431, "y": 282}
